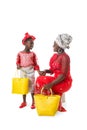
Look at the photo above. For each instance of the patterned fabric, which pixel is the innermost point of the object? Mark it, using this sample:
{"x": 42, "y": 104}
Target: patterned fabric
{"x": 27, "y": 59}
{"x": 29, "y": 73}
{"x": 58, "y": 64}
{"x": 63, "y": 40}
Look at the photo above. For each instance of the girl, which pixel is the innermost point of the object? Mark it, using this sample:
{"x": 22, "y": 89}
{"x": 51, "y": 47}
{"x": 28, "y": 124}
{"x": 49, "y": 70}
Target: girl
{"x": 27, "y": 63}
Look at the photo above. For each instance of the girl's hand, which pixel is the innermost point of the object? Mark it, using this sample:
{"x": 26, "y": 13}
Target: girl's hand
{"x": 18, "y": 66}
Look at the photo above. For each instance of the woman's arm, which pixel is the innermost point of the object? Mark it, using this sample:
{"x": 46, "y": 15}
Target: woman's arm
{"x": 47, "y": 71}
{"x": 62, "y": 76}
{"x": 59, "y": 79}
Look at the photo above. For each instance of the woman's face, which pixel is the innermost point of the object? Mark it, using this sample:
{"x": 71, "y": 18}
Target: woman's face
{"x": 55, "y": 47}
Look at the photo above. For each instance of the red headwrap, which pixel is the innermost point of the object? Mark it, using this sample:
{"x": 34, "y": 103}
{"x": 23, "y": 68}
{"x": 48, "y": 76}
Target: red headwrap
{"x": 27, "y": 35}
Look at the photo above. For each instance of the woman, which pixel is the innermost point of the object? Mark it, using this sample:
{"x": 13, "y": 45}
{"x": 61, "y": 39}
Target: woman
{"x": 61, "y": 81}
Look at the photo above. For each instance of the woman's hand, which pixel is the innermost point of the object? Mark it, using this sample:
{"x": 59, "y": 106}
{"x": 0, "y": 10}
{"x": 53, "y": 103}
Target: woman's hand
{"x": 43, "y": 73}
{"x": 48, "y": 86}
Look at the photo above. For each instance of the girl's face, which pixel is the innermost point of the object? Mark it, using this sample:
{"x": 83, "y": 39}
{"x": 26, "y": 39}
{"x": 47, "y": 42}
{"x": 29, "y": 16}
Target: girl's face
{"x": 29, "y": 44}
{"x": 55, "y": 47}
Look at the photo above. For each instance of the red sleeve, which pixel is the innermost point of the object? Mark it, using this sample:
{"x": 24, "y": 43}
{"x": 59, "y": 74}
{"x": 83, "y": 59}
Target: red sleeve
{"x": 65, "y": 64}
{"x": 36, "y": 66}
{"x": 52, "y": 59}
{"x": 18, "y": 59}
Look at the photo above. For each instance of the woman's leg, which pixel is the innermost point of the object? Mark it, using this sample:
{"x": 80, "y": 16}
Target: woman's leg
{"x": 61, "y": 108}
{"x": 40, "y": 82}
{"x": 63, "y": 98}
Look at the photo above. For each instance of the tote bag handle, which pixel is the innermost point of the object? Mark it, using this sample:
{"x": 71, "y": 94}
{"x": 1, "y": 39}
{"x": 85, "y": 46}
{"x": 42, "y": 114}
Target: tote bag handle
{"x": 17, "y": 73}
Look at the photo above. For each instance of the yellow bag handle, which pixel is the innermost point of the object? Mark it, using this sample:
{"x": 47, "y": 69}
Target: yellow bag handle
{"x": 17, "y": 73}
{"x": 49, "y": 90}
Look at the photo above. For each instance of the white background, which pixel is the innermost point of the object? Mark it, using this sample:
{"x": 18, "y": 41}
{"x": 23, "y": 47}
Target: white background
{"x": 44, "y": 19}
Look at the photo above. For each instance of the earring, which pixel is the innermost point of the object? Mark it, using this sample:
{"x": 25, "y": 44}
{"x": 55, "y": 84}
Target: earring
{"x": 60, "y": 50}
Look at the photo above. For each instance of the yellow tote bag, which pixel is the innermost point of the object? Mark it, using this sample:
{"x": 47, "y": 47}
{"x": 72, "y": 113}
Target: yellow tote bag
{"x": 46, "y": 105}
{"x": 20, "y": 85}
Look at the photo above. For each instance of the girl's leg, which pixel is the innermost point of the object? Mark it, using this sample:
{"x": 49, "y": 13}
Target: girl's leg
{"x": 22, "y": 75}
{"x": 23, "y": 104}
{"x": 33, "y": 103}
{"x": 24, "y": 98}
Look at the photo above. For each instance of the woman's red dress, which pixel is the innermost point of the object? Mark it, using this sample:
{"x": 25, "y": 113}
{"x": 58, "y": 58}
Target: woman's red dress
{"x": 59, "y": 64}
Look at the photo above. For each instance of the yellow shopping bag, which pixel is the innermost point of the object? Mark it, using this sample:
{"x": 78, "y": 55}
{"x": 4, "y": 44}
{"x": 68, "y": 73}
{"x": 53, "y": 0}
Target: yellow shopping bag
{"x": 20, "y": 85}
{"x": 46, "y": 105}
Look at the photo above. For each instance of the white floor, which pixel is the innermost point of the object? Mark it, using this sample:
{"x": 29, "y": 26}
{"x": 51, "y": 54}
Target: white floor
{"x": 11, "y": 117}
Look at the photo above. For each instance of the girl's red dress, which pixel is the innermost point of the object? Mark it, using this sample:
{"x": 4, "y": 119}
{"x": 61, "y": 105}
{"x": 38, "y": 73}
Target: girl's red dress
{"x": 57, "y": 66}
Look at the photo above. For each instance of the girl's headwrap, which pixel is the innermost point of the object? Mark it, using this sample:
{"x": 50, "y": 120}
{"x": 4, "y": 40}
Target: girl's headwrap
{"x": 27, "y": 35}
